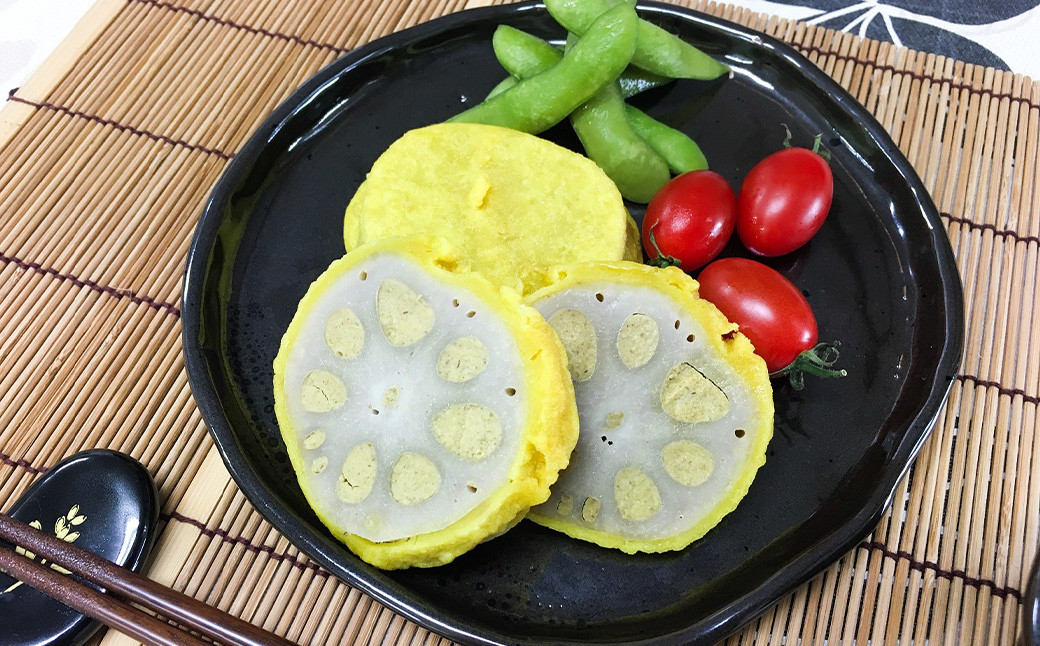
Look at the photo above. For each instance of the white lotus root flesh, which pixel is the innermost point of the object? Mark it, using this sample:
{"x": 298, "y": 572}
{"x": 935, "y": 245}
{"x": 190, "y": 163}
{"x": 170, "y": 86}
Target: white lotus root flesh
{"x": 403, "y": 394}
{"x": 662, "y": 416}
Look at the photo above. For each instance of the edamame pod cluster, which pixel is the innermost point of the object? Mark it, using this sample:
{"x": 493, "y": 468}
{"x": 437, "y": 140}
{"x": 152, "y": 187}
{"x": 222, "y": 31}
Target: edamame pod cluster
{"x": 611, "y": 55}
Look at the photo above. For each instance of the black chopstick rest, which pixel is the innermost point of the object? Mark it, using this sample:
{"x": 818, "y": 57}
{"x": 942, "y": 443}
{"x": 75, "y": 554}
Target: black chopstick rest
{"x": 102, "y": 501}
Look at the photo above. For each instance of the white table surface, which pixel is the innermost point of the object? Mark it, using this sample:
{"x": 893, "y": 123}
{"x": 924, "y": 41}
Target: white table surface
{"x": 29, "y": 31}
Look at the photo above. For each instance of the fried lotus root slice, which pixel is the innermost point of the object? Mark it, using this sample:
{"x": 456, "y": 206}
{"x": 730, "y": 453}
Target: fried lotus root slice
{"x": 423, "y": 410}
{"x": 676, "y": 409}
{"x": 509, "y": 203}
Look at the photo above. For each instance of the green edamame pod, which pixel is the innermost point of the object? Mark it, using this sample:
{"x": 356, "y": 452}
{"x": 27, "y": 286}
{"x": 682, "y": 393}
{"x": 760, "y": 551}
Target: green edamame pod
{"x": 502, "y": 86}
{"x": 634, "y": 80}
{"x": 609, "y": 140}
{"x": 524, "y": 55}
{"x": 543, "y": 100}
{"x": 682, "y": 153}
{"x": 657, "y": 50}
{"x": 600, "y": 123}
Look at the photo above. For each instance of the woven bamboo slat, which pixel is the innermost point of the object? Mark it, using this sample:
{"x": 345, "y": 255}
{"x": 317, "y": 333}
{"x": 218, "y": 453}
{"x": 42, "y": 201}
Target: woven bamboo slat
{"x": 107, "y": 156}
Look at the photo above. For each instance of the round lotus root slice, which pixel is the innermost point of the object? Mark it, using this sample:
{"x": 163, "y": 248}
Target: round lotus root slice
{"x": 423, "y": 410}
{"x": 676, "y": 409}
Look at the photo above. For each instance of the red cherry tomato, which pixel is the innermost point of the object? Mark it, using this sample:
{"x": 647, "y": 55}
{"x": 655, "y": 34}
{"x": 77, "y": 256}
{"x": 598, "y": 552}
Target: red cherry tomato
{"x": 784, "y": 201}
{"x": 770, "y": 310}
{"x": 689, "y": 220}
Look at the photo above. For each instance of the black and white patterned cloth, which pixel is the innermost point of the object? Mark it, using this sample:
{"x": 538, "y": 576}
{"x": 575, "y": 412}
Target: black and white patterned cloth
{"x": 1004, "y": 33}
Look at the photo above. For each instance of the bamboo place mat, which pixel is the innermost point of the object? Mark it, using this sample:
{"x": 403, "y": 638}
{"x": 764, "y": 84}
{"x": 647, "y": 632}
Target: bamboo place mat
{"x": 107, "y": 156}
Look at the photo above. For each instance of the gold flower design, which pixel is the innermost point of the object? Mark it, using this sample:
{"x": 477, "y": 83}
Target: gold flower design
{"x": 63, "y": 529}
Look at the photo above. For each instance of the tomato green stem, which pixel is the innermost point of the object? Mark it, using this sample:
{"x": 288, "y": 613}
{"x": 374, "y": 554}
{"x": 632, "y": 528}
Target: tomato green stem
{"x": 662, "y": 260}
{"x": 820, "y": 150}
{"x": 816, "y": 147}
{"x": 815, "y": 361}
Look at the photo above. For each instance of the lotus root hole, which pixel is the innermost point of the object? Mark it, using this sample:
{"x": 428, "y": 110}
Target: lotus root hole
{"x": 314, "y": 439}
{"x": 344, "y": 334}
{"x": 358, "y": 474}
{"x": 688, "y": 396}
{"x": 688, "y": 463}
{"x": 614, "y": 420}
{"x": 470, "y": 431}
{"x": 319, "y": 464}
{"x": 578, "y": 337}
{"x": 590, "y": 509}
{"x": 413, "y": 479}
{"x": 462, "y": 360}
{"x": 403, "y": 313}
{"x": 322, "y": 392}
{"x": 636, "y": 495}
{"x": 637, "y": 340}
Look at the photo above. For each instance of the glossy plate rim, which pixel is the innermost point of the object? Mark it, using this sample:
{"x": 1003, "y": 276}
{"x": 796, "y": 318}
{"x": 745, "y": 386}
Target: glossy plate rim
{"x": 320, "y": 548}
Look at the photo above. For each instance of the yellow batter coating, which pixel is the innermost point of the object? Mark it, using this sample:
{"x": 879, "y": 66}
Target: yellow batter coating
{"x": 668, "y": 453}
{"x": 548, "y": 431}
{"x": 510, "y": 204}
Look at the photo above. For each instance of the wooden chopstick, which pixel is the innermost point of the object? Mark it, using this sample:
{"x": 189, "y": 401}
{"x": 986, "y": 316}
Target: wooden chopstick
{"x": 186, "y": 611}
{"x": 89, "y": 601}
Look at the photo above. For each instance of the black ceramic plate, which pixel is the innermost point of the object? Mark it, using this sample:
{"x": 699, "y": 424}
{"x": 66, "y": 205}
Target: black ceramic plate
{"x": 1030, "y": 632}
{"x": 880, "y": 276}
